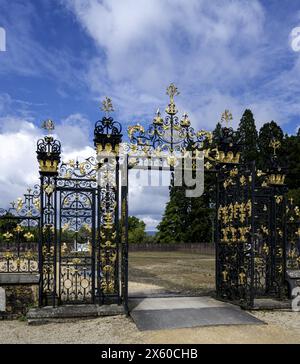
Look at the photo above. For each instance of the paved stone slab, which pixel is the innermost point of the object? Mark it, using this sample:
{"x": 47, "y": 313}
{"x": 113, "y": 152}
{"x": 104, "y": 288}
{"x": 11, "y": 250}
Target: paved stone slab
{"x": 271, "y": 304}
{"x": 36, "y": 316}
{"x": 184, "y": 312}
{"x": 168, "y": 303}
{"x": 191, "y": 317}
{"x": 19, "y": 278}
{"x": 2, "y": 300}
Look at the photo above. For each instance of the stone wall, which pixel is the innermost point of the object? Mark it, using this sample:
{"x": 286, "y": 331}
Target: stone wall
{"x": 19, "y": 293}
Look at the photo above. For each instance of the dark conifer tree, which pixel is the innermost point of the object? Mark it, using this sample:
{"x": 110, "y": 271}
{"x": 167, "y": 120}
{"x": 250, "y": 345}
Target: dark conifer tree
{"x": 247, "y": 136}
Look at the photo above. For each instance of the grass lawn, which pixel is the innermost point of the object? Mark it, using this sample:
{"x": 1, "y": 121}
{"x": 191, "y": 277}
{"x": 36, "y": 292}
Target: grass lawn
{"x": 180, "y": 272}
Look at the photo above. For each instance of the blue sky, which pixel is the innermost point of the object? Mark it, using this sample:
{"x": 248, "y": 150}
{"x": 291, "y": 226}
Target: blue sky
{"x": 63, "y": 57}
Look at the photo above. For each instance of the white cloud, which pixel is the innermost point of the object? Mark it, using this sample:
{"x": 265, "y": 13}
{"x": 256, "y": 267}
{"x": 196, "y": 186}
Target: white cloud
{"x": 19, "y": 167}
{"x": 18, "y": 164}
{"x": 74, "y": 132}
{"x": 207, "y": 48}
{"x": 216, "y": 52}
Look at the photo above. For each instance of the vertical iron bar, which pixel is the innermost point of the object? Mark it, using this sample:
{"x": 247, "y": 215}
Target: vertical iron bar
{"x": 117, "y": 225}
{"x": 217, "y": 235}
{"x": 59, "y": 249}
{"x": 124, "y": 206}
{"x": 55, "y": 243}
{"x": 93, "y": 270}
{"x": 41, "y": 243}
{"x": 98, "y": 244}
{"x": 252, "y": 272}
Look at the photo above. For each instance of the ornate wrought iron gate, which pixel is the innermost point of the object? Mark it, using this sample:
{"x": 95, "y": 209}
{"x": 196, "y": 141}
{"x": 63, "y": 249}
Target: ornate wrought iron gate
{"x": 84, "y": 217}
{"x": 79, "y": 215}
{"x": 251, "y": 229}
{"x": 76, "y": 242}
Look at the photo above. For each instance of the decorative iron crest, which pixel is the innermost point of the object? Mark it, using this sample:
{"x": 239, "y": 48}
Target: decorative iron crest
{"x": 169, "y": 134}
{"x": 107, "y": 132}
{"x": 85, "y": 169}
{"x": 48, "y": 154}
{"x": 26, "y": 206}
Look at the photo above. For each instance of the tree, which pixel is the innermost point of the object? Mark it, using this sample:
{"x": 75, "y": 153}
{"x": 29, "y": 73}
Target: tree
{"x": 217, "y": 133}
{"x": 175, "y": 219}
{"x": 136, "y": 230}
{"x": 185, "y": 220}
{"x": 247, "y": 137}
{"x": 291, "y": 148}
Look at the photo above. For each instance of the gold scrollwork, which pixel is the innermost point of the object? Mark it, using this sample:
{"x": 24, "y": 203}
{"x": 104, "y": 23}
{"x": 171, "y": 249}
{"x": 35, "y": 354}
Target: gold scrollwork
{"x": 28, "y": 236}
{"x": 8, "y": 236}
{"x": 225, "y": 275}
{"x": 278, "y": 199}
{"x": 242, "y": 278}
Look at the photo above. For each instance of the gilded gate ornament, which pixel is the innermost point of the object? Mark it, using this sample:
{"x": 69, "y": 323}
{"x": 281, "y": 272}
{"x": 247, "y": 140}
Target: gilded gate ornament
{"x": 226, "y": 117}
{"x": 107, "y": 105}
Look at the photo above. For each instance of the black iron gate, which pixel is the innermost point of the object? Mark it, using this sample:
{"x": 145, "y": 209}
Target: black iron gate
{"x": 78, "y": 217}
{"x": 235, "y": 224}
{"x": 76, "y": 244}
{"x": 84, "y": 218}
{"x": 251, "y": 228}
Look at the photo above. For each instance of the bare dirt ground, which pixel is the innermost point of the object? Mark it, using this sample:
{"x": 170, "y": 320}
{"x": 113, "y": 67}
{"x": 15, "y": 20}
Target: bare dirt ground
{"x": 178, "y": 272}
{"x": 152, "y": 273}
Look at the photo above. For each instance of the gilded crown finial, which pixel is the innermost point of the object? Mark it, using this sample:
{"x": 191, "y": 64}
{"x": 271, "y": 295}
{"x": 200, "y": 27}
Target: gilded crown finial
{"x": 185, "y": 121}
{"x": 226, "y": 117}
{"x": 158, "y": 119}
{"x": 172, "y": 91}
{"x": 48, "y": 125}
{"x": 275, "y": 144}
{"x": 107, "y": 105}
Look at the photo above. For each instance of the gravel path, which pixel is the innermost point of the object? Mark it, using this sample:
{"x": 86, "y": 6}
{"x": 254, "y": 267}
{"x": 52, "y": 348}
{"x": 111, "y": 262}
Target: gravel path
{"x": 283, "y": 327}
{"x": 108, "y": 330}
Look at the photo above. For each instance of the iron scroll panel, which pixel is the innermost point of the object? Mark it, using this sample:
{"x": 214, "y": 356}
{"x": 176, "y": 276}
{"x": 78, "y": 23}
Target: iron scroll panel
{"x": 20, "y": 234}
{"x": 76, "y": 244}
{"x": 19, "y": 244}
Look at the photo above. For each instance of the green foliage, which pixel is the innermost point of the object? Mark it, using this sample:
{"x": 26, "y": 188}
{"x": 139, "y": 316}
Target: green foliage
{"x": 295, "y": 195}
{"x": 136, "y": 230}
{"x": 291, "y": 147}
{"x": 186, "y": 220}
{"x": 247, "y": 136}
{"x": 150, "y": 239}
{"x": 217, "y": 133}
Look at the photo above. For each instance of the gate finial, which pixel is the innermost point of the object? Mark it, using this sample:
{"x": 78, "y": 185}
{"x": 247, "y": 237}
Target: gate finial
{"x": 172, "y": 91}
{"x": 48, "y": 125}
{"x": 226, "y": 117}
{"x": 107, "y": 105}
{"x": 275, "y": 144}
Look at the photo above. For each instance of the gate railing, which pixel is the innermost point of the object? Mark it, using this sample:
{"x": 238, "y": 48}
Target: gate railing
{"x": 20, "y": 235}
